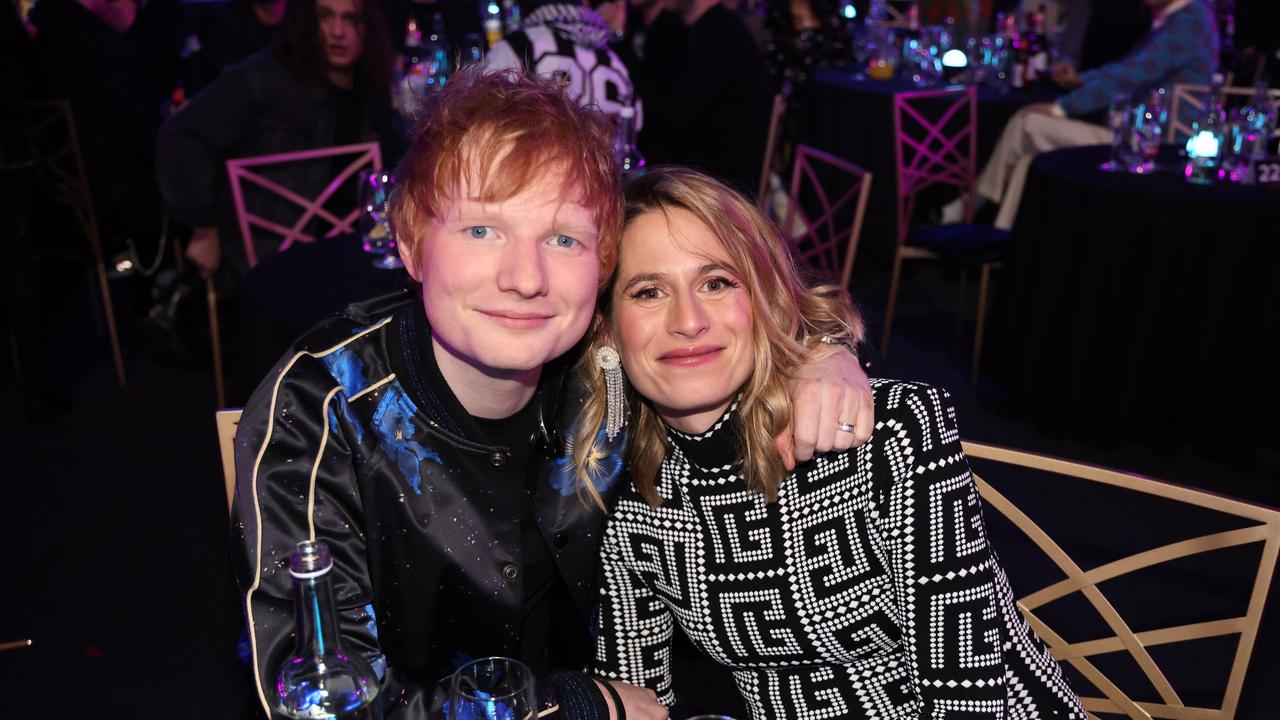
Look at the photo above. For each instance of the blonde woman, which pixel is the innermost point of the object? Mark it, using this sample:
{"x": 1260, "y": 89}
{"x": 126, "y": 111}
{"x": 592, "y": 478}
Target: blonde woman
{"x": 859, "y": 586}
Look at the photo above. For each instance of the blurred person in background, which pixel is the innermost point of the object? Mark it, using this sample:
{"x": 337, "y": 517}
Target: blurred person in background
{"x": 570, "y": 42}
{"x": 324, "y": 82}
{"x": 712, "y": 111}
{"x": 802, "y": 35}
{"x": 1181, "y": 47}
{"x": 114, "y": 62}
{"x": 224, "y": 33}
{"x": 20, "y": 193}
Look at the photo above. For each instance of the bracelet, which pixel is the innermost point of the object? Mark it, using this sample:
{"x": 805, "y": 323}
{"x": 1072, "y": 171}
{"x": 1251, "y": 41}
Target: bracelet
{"x": 844, "y": 342}
{"x": 847, "y": 344}
{"x": 617, "y": 699}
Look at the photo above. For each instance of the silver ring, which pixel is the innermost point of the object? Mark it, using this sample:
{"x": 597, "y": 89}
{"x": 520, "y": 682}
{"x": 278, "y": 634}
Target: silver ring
{"x": 844, "y": 427}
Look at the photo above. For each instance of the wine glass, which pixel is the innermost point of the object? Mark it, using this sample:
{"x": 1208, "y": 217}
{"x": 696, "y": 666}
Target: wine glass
{"x": 864, "y": 47}
{"x": 1119, "y": 120}
{"x": 494, "y": 688}
{"x": 374, "y": 221}
{"x": 1150, "y": 128}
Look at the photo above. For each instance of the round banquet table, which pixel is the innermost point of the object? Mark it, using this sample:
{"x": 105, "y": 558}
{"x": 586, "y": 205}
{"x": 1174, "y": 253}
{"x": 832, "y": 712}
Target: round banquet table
{"x": 288, "y": 293}
{"x": 1142, "y": 299}
{"x": 853, "y": 119}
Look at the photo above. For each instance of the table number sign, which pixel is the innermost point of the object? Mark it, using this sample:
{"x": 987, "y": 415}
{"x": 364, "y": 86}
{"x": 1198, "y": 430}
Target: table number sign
{"x": 1266, "y": 171}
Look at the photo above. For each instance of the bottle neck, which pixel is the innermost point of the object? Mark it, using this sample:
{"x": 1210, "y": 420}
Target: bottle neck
{"x": 626, "y": 136}
{"x": 317, "y": 620}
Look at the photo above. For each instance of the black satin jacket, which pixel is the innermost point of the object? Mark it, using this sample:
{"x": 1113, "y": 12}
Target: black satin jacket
{"x": 348, "y": 440}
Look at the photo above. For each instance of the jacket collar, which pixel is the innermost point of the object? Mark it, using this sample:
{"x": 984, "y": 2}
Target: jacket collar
{"x": 412, "y": 358}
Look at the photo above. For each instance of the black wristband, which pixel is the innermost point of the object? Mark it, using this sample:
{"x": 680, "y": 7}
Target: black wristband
{"x": 617, "y": 699}
{"x": 579, "y": 697}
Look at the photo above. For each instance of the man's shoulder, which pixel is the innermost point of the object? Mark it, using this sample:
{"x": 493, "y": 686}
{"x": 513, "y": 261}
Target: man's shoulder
{"x": 347, "y": 350}
{"x": 357, "y": 321}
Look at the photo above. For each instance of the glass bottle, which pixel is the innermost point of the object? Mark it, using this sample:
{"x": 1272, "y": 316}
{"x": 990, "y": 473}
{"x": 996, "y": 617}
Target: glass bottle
{"x": 491, "y": 11}
{"x": 320, "y": 681}
{"x": 1259, "y": 118}
{"x": 436, "y": 49}
{"x": 1205, "y": 146}
{"x": 630, "y": 162}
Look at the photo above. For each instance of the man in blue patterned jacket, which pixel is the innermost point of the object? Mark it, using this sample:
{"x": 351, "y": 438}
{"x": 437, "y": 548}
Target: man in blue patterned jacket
{"x": 1182, "y": 48}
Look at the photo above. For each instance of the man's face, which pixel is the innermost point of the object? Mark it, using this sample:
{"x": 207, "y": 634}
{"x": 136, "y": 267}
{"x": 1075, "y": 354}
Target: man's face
{"x": 341, "y": 32}
{"x": 510, "y": 285}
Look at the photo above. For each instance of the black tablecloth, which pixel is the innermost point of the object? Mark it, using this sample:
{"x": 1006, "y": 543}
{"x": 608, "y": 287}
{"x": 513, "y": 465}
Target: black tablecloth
{"x": 1142, "y": 300}
{"x": 853, "y": 119}
{"x": 287, "y": 294}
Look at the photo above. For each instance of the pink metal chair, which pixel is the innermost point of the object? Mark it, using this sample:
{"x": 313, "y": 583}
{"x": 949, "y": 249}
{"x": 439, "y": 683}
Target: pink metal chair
{"x": 822, "y": 244}
{"x": 246, "y": 172}
{"x": 936, "y": 144}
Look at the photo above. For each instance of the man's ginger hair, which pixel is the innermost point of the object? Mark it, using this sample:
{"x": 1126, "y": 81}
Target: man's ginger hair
{"x": 500, "y": 133}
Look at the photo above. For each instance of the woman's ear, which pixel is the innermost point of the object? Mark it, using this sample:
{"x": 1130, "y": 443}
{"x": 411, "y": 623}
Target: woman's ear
{"x": 604, "y": 329}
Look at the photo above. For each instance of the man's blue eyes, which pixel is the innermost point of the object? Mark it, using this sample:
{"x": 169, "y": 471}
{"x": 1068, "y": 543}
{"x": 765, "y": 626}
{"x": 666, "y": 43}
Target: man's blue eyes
{"x": 481, "y": 232}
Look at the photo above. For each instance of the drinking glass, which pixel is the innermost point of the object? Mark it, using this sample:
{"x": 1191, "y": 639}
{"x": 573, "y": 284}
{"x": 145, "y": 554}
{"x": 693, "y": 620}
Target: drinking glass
{"x": 884, "y": 59}
{"x": 1119, "y": 119}
{"x": 1148, "y": 129}
{"x": 472, "y": 49}
{"x": 374, "y": 221}
{"x": 864, "y": 47}
{"x": 493, "y": 688}
{"x": 1235, "y": 155}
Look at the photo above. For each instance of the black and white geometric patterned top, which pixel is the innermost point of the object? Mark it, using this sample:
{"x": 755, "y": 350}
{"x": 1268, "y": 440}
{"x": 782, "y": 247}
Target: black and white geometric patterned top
{"x": 868, "y": 590}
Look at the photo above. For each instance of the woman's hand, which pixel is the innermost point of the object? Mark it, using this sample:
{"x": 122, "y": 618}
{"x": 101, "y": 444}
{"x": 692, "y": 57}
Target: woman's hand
{"x": 640, "y": 703}
{"x": 829, "y": 390}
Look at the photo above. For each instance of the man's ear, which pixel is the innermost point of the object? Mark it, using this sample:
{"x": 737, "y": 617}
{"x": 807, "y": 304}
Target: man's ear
{"x": 406, "y": 246}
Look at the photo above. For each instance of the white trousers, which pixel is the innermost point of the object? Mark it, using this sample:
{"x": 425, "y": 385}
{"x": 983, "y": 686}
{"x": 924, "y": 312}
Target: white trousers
{"x": 1028, "y": 135}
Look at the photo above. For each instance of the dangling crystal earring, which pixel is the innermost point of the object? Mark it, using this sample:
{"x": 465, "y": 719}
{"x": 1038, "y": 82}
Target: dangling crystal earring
{"x": 616, "y": 416}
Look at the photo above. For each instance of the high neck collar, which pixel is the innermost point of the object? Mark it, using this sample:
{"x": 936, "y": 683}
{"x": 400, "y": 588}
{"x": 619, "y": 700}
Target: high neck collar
{"x": 717, "y": 447}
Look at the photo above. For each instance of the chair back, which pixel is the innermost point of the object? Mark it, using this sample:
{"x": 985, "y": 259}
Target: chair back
{"x": 247, "y": 171}
{"x": 1189, "y": 102}
{"x": 780, "y": 101}
{"x": 896, "y": 13}
{"x": 1151, "y": 583}
{"x": 227, "y": 421}
{"x": 51, "y": 130}
{"x": 837, "y": 189}
{"x": 935, "y": 143}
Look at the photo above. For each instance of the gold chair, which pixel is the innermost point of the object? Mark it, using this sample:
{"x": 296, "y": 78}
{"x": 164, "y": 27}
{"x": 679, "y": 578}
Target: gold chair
{"x": 228, "y": 420}
{"x": 1195, "y": 97}
{"x": 1151, "y": 645}
{"x": 821, "y": 244}
{"x": 51, "y": 130}
{"x": 771, "y": 144}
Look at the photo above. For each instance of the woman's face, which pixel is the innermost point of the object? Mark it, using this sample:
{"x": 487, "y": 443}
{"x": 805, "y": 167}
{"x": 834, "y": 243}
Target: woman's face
{"x": 681, "y": 319}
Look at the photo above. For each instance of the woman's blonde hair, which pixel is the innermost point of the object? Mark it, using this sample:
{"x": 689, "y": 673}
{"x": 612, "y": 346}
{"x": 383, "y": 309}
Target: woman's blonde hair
{"x": 786, "y": 311}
